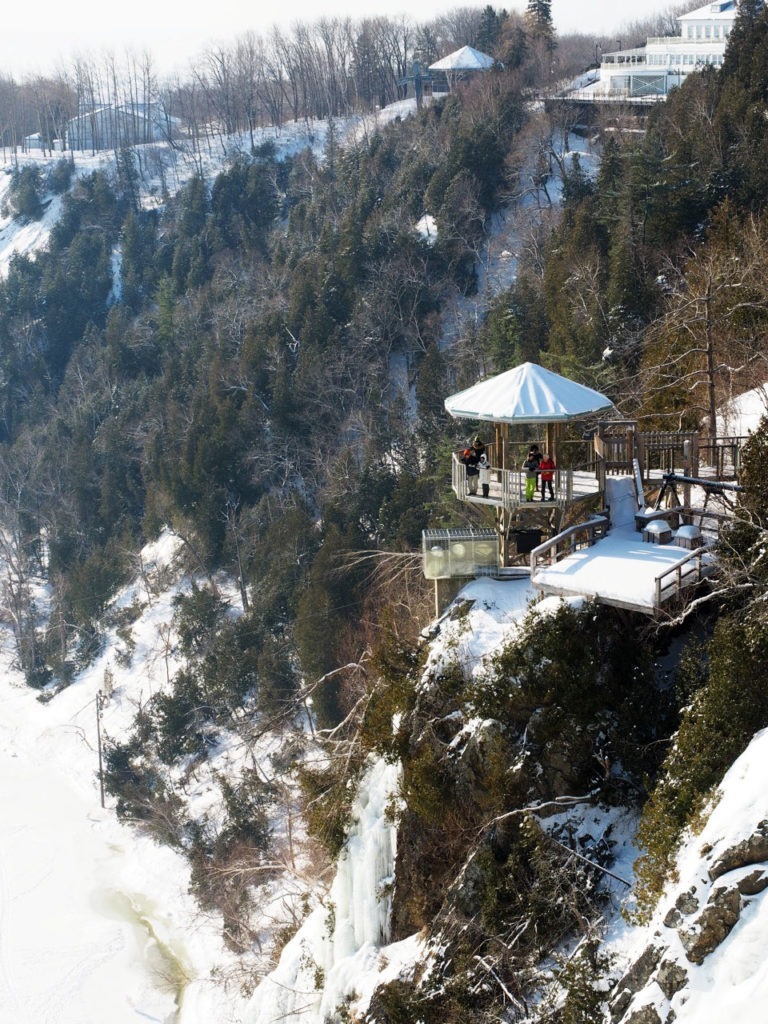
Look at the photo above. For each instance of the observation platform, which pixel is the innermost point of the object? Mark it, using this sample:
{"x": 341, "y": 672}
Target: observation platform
{"x": 619, "y": 569}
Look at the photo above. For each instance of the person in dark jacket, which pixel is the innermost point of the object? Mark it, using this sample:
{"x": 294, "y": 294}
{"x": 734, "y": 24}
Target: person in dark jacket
{"x": 531, "y": 471}
{"x": 478, "y": 447}
{"x": 470, "y": 459}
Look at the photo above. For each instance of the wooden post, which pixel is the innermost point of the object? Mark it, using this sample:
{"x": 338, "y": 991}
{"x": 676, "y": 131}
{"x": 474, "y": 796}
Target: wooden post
{"x": 100, "y": 701}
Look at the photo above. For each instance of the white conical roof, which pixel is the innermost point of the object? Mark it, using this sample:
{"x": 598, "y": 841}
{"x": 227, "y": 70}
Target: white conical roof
{"x": 526, "y": 394}
{"x": 465, "y": 59}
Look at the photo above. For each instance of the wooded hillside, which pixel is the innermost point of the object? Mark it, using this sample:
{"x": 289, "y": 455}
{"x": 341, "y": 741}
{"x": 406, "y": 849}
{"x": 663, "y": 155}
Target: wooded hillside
{"x": 260, "y": 362}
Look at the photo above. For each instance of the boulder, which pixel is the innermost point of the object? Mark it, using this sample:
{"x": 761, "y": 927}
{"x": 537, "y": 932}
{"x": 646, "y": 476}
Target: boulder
{"x": 753, "y": 850}
{"x": 671, "y": 977}
{"x": 753, "y": 883}
{"x": 645, "y": 1015}
{"x": 636, "y": 977}
{"x": 712, "y": 925}
{"x": 685, "y": 904}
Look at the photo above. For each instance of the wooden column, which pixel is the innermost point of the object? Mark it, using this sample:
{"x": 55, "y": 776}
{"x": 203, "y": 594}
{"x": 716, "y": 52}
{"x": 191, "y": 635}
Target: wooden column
{"x": 501, "y": 437}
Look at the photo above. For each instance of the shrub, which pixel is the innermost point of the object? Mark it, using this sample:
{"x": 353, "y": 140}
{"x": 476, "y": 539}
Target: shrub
{"x": 715, "y": 729}
{"x": 60, "y": 175}
{"x": 582, "y": 977}
{"x": 328, "y": 794}
{"x": 24, "y": 193}
{"x": 563, "y": 681}
{"x": 197, "y": 616}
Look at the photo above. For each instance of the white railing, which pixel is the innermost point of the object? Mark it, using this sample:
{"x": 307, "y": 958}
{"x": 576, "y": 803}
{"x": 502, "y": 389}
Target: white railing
{"x": 563, "y": 544}
{"x": 507, "y": 487}
{"x": 683, "y": 573}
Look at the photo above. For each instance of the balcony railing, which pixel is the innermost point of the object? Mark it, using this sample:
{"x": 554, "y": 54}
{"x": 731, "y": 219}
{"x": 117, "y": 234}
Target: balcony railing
{"x": 507, "y": 486}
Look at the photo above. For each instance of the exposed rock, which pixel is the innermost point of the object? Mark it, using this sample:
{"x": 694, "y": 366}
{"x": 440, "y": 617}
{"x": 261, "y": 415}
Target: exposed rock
{"x": 619, "y": 1004}
{"x": 712, "y": 925}
{"x": 753, "y": 883}
{"x": 685, "y": 904}
{"x": 753, "y": 850}
{"x": 640, "y": 972}
{"x": 635, "y": 978}
{"x": 645, "y": 1015}
{"x": 671, "y": 977}
{"x": 673, "y": 918}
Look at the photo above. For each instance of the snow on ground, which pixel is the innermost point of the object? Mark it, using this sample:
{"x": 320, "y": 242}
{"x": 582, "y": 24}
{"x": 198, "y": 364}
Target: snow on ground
{"x": 164, "y": 170}
{"x": 732, "y": 982}
{"x": 484, "y": 616}
{"x": 96, "y": 922}
{"x": 742, "y": 415}
{"x": 621, "y": 568}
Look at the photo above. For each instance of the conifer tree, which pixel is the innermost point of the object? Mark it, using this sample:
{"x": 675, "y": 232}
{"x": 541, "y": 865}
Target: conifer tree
{"x": 539, "y": 13}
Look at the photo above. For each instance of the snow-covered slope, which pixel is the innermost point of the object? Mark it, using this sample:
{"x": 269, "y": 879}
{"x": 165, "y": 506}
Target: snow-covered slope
{"x": 163, "y": 169}
{"x": 96, "y": 920}
{"x": 702, "y": 959}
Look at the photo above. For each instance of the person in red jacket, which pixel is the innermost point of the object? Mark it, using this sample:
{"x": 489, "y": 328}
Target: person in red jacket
{"x": 547, "y": 469}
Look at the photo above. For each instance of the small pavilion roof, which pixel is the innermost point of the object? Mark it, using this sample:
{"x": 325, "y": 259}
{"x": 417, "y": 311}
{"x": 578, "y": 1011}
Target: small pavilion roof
{"x": 526, "y": 394}
{"x": 465, "y": 59}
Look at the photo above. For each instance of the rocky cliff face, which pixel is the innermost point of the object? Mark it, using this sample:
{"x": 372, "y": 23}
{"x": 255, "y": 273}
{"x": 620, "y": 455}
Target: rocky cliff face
{"x": 702, "y": 957}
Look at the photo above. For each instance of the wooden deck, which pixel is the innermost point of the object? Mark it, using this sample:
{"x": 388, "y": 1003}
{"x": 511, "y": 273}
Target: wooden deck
{"x": 663, "y": 452}
{"x": 618, "y": 567}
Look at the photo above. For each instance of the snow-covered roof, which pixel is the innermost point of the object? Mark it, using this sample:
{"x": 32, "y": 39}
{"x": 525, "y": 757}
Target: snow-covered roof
{"x": 742, "y": 414}
{"x": 465, "y": 59}
{"x": 526, "y": 394}
{"x": 720, "y": 10}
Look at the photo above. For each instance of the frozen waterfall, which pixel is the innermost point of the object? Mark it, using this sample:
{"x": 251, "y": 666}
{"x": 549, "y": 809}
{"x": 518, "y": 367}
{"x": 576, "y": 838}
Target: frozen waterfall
{"x": 337, "y": 942}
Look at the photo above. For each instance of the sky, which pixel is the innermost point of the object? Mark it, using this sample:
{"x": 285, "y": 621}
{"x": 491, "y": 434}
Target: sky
{"x": 47, "y": 36}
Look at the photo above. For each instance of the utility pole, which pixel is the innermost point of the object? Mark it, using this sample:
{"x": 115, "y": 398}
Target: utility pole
{"x": 101, "y": 700}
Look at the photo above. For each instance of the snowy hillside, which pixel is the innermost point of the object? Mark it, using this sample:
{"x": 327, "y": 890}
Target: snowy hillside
{"x": 702, "y": 958}
{"x": 163, "y": 169}
{"x": 102, "y": 906}
{"x": 532, "y": 806}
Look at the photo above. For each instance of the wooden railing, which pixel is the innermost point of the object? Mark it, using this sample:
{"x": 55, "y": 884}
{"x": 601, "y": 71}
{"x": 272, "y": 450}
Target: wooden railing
{"x": 508, "y": 485}
{"x": 683, "y": 573}
{"x": 583, "y": 535}
{"x": 723, "y": 454}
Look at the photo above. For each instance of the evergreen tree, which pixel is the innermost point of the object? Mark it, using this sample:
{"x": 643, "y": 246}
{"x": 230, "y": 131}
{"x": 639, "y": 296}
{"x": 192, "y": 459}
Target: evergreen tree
{"x": 539, "y": 16}
{"x": 490, "y": 29}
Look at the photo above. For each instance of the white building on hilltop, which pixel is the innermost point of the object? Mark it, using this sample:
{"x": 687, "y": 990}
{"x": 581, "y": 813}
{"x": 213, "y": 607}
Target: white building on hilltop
{"x": 650, "y": 71}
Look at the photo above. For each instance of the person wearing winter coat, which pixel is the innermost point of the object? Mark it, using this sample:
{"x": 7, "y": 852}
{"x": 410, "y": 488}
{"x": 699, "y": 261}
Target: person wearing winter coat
{"x": 547, "y": 469}
{"x": 478, "y": 447}
{"x": 471, "y": 460}
{"x": 531, "y": 471}
{"x": 484, "y": 474}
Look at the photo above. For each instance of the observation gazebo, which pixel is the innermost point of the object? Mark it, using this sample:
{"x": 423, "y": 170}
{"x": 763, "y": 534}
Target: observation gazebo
{"x": 647, "y": 559}
{"x": 528, "y": 395}
{"x": 462, "y": 62}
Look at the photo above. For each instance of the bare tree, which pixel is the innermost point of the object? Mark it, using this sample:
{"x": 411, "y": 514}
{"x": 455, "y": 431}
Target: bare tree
{"x": 710, "y": 340}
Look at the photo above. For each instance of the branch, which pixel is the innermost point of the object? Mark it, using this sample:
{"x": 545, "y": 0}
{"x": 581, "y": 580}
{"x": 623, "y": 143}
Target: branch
{"x": 592, "y": 863}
